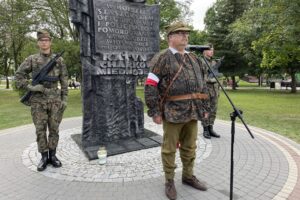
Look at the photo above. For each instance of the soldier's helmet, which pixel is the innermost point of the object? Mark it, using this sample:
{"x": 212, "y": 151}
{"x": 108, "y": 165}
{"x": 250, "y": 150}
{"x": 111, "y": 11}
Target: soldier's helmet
{"x": 43, "y": 34}
{"x": 177, "y": 26}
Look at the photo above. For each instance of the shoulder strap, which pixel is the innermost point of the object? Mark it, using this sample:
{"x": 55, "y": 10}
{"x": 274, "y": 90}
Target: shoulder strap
{"x": 169, "y": 86}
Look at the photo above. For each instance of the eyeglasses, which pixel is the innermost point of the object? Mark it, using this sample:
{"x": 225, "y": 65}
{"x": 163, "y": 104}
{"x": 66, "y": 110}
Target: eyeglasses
{"x": 182, "y": 33}
{"x": 44, "y": 40}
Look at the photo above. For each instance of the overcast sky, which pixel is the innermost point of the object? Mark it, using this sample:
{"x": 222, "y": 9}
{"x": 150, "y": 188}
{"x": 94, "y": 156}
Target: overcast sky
{"x": 199, "y": 8}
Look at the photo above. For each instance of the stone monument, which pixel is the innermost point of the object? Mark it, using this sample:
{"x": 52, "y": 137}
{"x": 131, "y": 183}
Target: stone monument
{"x": 117, "y": 39}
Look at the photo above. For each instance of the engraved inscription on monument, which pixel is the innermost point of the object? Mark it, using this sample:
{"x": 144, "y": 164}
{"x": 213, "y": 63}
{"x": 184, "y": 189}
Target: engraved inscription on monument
{"x": 126, "y": 35}
{"x": 118, "y": 38}
{"x": 121, "y": 26}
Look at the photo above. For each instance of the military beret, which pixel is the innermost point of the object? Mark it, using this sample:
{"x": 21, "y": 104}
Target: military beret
{"x": 177, "y": 26}
{"x": 43, "y": 34}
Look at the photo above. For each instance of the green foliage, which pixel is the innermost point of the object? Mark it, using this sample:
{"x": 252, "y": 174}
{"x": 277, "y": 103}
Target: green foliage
{"x": 198, "y": 37}
{"x": 29, "y": 48}
{"x": 170, "y": 11}
{"x": 16, "y": 21}
{"x": 280, "y": 43}
{"x": 243, "y": 32}
{"x": 20, "y": 18}
{"x": 54, "y": 15}
{"x": 218, "y": 20}
{"x": 71, "y": 55}
{"x": 268, "y": 35}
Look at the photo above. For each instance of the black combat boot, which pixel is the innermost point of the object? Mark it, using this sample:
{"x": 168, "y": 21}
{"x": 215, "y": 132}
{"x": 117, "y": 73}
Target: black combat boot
{"x": 43, "y": 162}
{"x": 206, "y": 132}
{"x": 212, "y": 132}
{"x": 53, "y": 159}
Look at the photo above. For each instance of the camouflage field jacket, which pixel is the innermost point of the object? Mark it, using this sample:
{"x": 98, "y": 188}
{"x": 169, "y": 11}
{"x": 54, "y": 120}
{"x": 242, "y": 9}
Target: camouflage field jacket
{"x": 163, "y": 68}
{"x": 211, "y": 63}
{"x": 31, "y": 66}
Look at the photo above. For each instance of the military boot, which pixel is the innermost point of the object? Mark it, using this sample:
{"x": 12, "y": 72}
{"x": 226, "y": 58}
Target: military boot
{"x": 53, "y": 159}
{"x": 43, "y": 162}
{"x": 206, "y": 132}
{"x": 170, "y": 189}
{"x": 212, "y": 132}
{"x": 195, "y": 183}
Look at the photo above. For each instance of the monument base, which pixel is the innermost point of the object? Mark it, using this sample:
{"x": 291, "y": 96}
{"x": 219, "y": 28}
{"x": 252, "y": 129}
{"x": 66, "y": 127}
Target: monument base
{"x": 148, "y": 140}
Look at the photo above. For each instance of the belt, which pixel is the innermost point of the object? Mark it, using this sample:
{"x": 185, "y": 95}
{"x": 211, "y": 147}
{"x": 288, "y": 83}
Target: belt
{"x": 187, "y": 96}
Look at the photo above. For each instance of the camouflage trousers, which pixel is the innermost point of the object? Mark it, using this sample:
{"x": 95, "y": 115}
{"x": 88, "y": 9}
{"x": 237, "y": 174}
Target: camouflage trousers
{"x": 213, "y": 92}
{"x": 46, "y": 115}
{"x": 186, "y": 135}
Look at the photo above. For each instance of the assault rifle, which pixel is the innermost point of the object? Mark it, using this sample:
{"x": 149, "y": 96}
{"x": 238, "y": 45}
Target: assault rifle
{"x": 215, "y": 68}
{"x": 41, "y": 76}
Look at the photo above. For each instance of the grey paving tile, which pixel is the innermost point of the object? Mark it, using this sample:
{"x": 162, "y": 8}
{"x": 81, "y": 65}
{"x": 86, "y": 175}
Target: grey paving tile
{"x": 261, "y": 170}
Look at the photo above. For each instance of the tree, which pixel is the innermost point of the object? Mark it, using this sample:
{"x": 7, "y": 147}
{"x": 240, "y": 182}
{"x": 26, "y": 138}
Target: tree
{"x": 243, "y": 32}
{"x": 4, "y": 61}
{"x": 170, "y": 11}
{"x": 280, "y": 42}
{"x": 16, "y": 23}
{"x": 21, "y": 18}
{"x": 218, "y": 20}
{"x": 197, "y": 37}
{"x": 54, "y": 15}
{"x": 71, "y": 56}
{"x": 268, "y": 36}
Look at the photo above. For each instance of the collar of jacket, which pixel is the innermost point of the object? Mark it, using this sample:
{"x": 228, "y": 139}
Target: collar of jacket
{"x": 173, "y": 50}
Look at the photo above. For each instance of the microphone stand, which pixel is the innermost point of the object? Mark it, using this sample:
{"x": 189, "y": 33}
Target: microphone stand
{"x": 236, "y": 113}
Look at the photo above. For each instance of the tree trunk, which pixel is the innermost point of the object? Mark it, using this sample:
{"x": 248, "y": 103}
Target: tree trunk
{"x": 15, "y": 56}
{"x": 233, "y": 83}
{"x": 6, "y": 70}
{"x": 259, "y": 80}
{"x": 7, "y": 82}
{"x": 293, "y": 84}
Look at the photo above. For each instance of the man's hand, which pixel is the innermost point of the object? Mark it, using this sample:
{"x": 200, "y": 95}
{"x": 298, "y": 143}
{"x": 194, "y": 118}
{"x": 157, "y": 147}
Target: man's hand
{"x": 206, "y": 114}
{"x": 157, "y": 119}
{"x": 36, "y": 88}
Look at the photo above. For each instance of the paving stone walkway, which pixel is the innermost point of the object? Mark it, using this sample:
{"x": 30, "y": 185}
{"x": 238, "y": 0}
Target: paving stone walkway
{"x": 267, "y": 167}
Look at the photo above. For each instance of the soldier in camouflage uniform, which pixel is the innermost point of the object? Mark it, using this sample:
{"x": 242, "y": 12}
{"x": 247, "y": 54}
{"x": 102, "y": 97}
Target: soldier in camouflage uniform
{"x": 47, "y": 101}
{"x": 175, "y": 95}
{"x": 213, "y": 90}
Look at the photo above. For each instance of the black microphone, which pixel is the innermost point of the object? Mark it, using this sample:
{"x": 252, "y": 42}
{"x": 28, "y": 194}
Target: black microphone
{"x": 200, "y": 48}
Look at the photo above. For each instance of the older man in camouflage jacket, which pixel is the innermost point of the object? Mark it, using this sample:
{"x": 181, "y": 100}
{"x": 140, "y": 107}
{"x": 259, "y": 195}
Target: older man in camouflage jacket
{"x": 175, "y": 93}
{"x": 48, "y": 101}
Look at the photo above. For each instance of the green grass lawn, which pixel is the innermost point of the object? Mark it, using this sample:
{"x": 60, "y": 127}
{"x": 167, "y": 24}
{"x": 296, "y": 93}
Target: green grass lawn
{"x": 242, "y": 83}
{"x": 13, "y": 113}
{"x": 277, "y": 111}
